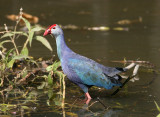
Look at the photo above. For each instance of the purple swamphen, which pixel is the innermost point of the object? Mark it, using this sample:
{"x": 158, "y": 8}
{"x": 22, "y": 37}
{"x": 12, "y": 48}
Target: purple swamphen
{"x": 81, "y": 70}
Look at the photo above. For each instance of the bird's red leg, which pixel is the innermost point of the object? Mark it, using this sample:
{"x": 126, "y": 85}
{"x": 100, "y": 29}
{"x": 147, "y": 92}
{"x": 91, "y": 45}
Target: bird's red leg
{"x": 88, "y": 98}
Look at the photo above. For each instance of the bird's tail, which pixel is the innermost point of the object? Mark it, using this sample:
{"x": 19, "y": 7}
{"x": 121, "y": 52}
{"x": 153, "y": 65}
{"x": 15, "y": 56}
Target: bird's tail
{"x": 115, "y": 79}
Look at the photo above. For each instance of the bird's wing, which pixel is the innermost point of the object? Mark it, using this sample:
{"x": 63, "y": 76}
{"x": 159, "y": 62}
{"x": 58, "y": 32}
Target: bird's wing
{"x": 112, "y": 71}
{"x": 109, "y": 71}
{"x": 91, "y": 73}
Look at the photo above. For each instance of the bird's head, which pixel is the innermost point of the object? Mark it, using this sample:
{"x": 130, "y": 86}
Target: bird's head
{"x": 54, "y": 30}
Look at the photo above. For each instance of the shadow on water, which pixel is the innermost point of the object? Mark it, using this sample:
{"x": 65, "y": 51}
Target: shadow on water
{"x": 138, "y": 40}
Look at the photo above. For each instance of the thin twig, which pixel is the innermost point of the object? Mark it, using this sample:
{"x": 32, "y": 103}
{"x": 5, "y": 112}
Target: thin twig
{"x": 63, "y": 99}
{"x": 28, "y": 75}
{"x": 12, "y": 38}
{"x": 92, "y": 104}
{"x": 2, "y": 32}
{"x": 102, "y": 103}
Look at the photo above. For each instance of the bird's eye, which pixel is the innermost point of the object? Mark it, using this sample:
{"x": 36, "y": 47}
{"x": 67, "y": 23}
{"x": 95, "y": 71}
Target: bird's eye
{"x": 54, "y": 28}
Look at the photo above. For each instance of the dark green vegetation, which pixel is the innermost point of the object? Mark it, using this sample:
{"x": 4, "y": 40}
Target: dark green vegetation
{"x": 20, "y": 74}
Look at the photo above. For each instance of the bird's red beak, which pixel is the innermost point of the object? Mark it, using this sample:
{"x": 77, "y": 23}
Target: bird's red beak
{"x": 47, "y": 32}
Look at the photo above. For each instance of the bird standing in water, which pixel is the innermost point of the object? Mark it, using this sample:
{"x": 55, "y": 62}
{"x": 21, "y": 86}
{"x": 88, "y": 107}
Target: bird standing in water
{"x": 81, "y": 70}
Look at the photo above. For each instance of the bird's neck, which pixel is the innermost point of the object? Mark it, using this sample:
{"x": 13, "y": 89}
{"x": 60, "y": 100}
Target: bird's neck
{"x": 62, "y": 48}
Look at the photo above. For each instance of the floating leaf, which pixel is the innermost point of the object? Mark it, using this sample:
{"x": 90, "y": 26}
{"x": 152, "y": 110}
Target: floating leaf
{"x": 28, "y": 25}
{"x": 44, "y": 42}
{"x": 121, "y": 29}
{"x": 72, "y": 114}
{"x": 24, "y": 51}
{"x": 101, "y": 28}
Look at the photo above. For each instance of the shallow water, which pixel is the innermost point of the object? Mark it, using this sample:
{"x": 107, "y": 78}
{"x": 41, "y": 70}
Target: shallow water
{"x": 140, "y": 41}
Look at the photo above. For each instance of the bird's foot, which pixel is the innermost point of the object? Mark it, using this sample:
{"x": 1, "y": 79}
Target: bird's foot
{"x": 87, "y": 98}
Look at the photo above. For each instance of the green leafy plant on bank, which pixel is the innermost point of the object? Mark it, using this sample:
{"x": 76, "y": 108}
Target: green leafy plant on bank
{"x": 9, "y": 57}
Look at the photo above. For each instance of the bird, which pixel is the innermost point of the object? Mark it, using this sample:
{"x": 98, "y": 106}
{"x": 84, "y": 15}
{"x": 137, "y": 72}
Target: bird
{"x": 81, "y": 70}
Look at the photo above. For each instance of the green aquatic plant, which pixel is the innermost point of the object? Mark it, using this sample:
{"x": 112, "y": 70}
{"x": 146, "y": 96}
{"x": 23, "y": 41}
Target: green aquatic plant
{"x": 158, "y": 108}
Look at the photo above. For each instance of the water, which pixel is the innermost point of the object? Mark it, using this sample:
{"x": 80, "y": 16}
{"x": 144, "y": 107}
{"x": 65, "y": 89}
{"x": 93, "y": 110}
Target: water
{"x": 141, "y": 41}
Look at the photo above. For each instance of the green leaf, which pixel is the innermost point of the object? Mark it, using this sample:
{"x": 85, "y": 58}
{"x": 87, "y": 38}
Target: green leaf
{"x": 10, "y": 63}
{"x": 37, "y": 28}
{"x": 9, "y": 34}
{"x": 24, "y": 51}
{"x": 71, "y": 114}
{"x": 7, "y": 55}
{"x": 33, "y": 61}
{"x": 28, "y": 25}
{"x": 50, "y": 80}
{"x": 10, "y": 82}
{"x": 26, "y": 107}
{"x": 41, "y": 86}
{"x": 24, "y": 74}
{"x": 60, "y": 74}
{"x": 20, "y": 57}
{"x": 54, "y": 66}
{"x": 50, "y": 93}
{"x": 24, "y": 34}
{"x": 30, "y": 37}
{"x": 44, "y": 42}
{"x": 49, "y": 68}
{"x": 158, "y": 115}
{"x": 5, "y": 41}
{"x": 158, "y": 108}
